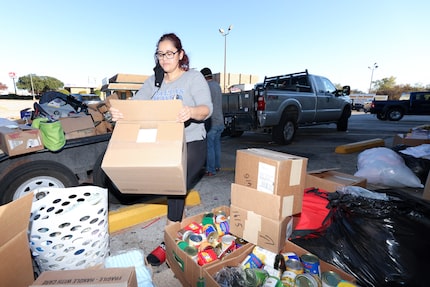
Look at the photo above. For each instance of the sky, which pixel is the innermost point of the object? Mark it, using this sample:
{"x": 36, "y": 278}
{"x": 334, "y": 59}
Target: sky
{"x": 82, "y": 42}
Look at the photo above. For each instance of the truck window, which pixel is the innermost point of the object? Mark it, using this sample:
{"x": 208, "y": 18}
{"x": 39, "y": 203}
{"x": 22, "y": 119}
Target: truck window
{"x": 324, "y": 85}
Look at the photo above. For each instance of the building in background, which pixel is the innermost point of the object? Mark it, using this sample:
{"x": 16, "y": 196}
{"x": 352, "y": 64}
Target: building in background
{"x": 124, "y": 85}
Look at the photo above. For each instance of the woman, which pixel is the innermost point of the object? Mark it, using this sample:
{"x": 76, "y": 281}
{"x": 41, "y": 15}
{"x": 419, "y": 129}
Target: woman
{"x": 174, "y": 80}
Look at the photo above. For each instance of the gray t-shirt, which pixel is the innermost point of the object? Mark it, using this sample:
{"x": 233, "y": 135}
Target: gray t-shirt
{"x": 217, "y": 118}
{"x": 191, "y": 88}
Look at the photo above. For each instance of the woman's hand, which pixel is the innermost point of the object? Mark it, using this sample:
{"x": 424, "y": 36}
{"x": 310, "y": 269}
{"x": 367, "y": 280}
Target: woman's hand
{"x": 184, "y": 114}
{"x": 116, "y": 114}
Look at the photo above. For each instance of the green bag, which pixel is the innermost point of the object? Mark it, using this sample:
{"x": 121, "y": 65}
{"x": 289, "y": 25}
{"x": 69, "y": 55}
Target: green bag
{"x": 53, "y": 137}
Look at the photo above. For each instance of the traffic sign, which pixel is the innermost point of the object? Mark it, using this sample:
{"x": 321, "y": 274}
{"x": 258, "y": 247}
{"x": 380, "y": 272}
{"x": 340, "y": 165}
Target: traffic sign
{"x": 12, "y": 74}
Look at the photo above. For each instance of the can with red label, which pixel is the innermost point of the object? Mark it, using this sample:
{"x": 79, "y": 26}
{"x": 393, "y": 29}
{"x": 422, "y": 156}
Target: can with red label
{"x": 206, "y": 256}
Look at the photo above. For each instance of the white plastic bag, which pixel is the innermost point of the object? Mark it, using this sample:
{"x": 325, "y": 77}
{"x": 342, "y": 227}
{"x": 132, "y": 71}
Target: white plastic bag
{"x": 383, "y": 166}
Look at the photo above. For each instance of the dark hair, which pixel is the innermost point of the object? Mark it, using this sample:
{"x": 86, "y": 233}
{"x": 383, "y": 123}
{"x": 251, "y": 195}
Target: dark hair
{"x": 184, "y": 64}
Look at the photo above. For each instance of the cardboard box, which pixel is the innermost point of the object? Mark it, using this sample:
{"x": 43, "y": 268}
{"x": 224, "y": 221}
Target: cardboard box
{"x": 330, "y": 180}
{"x": 16, "y": 141}
{"x": 16, "y": 268}
{"x": 289, "y": 246}
{"x": 106, "y": 277}
{"x": 147, "y": 153}
{"x": 409, "y": 140}
{"x": 265, "y": 232}
{"x": 269, "y": 205}
{"x": 78, "y": 127}
{"x": 272, "y": 172}
{"x": 183, "y": 266}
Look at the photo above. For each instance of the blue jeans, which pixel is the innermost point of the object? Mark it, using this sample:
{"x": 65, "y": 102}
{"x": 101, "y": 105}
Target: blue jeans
{"x": 213, "y": 155}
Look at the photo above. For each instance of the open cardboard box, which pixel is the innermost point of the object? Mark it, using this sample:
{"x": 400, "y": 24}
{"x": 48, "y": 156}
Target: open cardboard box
{"x": 16, "y": 141}
{"x": 16, "y": 268}
{"x": 185, "y": 268}
{"x": 147, "y": 153}
{"x": 331, "y": 180}
{"x": 289, "y": 246}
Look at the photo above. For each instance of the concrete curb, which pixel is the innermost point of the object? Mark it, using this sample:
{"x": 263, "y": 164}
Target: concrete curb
{"x": 138, "y": 213}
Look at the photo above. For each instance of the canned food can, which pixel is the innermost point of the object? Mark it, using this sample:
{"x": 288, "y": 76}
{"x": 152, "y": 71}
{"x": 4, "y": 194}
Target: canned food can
{"x": 294, "y": 265}
{"x": 223, "y": 227}
{"x": 255, "y": 276}
{"x": 290, "y": 255}
{"x": 206, "y": 256}
{"x": 192, "y": 252}
{"x": 240, "y": 242}
{"x": 211, "y": 233}
{"x": 182, "y": 244}
{"x": 185, "y": 234}
{"x": 208, "y": 218}
{"x": 330, "y": 279}
{"x": 205, "y": 245}
{"x": 311, "y": 264}
{"x": 307, "y": 280}
{"x": 252, "y": 261}
{"x": 287, "y": 278}
{"x": 195, "y": 240}
{"x": 272, "y": 281}
{"x": 220, "y": 218}
{"x": 344, "y": 283}
{"x": 194, "y": 227}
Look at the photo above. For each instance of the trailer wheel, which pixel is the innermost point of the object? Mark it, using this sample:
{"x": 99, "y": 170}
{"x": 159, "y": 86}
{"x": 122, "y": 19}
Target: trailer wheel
{"x": 284, "y": 132}
{"x": 25, "y": 178}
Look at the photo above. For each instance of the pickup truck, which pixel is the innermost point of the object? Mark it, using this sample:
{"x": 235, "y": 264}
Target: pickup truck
{"x": 282, "y": 103}
{"x": 412, "y": 103}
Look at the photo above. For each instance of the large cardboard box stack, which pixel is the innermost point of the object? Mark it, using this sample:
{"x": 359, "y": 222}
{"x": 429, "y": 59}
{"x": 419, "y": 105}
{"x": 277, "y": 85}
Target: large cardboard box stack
{"x": 16, "y": 267}
{"x": 268, "y": 190}
{"x": 106, "y": 277}
{"x": 185, "y": 268}
{"x": 289, "y": 246}
{"x": 21, "y": 140}
{"x": 147, "y": 151}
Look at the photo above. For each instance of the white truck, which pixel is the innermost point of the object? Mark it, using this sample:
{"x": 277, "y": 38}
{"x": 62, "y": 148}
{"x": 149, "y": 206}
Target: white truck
{"x": 282, "y": 103}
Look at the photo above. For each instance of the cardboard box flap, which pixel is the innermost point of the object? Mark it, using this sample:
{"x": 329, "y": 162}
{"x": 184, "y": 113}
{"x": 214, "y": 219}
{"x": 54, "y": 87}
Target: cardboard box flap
{"x": 14, "y": 218}
{"x": 147, "y": 110}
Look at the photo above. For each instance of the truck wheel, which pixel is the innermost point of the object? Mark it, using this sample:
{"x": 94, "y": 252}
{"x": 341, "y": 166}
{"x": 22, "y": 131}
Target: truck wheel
{"x": 27, "y": 177}
{"x": 283, "y": 133}
{"x": 342, "y": 123}
{"x": 394, "y": 114}
{"x": 381, "y": 116}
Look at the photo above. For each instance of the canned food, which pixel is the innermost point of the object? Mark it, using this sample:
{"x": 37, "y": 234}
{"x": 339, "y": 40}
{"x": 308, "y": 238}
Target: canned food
{"x": 220, "y": 218}
{"x": 194, "y": 227}
{"x": 182, "y": 244}
{"x": 344, "y": 283}
{"x": 184, "y": 234}
{"x": 195, "y": 240}
{"x": 211, "y": 233}
{"x": 307, "y": 280}
{"x": 255, "y": 276}
{"x": 223, "y": 227}
{"x": 192, "y": 252}
{"x": 206, "y": 256}
{"x": 287, "y": 278}
{"x": 330, "y": 279}
{"x": 252, "y": 261}
{"x": 294, "y": 265}
{"x": 240, "y": 242}
{"x": 205, "y": 245}
{"x": 208, "y": 218}
{"x": 290, "y": 255}
{"x": 272, "y": 281}
{"x": 311, "y": 264}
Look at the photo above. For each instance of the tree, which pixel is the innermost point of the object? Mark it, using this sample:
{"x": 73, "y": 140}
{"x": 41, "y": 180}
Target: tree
{"x": 3, "y": 87}
{"x": 40, "y": 83}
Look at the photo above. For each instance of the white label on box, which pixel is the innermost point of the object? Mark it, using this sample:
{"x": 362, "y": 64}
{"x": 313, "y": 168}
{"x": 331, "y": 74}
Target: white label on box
{"x": 296, "y": 172}
{"x": 266, "y": 178}
{"x": 146, "y": 136}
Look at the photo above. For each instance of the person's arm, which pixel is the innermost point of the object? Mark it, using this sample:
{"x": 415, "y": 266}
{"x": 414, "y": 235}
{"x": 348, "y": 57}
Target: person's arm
{"x": 199, "y": 113}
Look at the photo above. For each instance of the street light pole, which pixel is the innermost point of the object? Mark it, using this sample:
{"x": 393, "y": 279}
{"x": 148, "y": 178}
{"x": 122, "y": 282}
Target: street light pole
{"x": 223, "y": 33}
{"x": 375, "y": 66}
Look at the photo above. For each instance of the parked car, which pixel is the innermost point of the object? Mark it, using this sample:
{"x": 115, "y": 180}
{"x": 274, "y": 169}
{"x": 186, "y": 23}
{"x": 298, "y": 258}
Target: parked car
{"x": 366, "y": 106}
{"x": 87, "y": 99}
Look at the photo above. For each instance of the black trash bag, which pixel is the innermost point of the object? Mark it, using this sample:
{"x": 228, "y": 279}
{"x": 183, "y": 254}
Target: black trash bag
{"x": 379, "y": 242}
{"x": 419, "y": 166}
